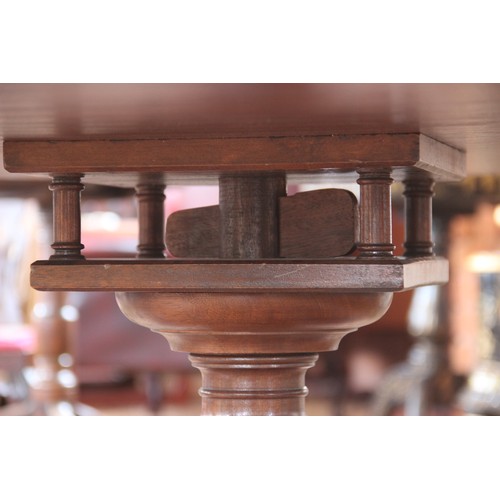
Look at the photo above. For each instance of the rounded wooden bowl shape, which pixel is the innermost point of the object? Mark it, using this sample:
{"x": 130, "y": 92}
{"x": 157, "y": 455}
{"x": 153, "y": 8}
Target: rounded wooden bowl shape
{"x": 258, "y": 323}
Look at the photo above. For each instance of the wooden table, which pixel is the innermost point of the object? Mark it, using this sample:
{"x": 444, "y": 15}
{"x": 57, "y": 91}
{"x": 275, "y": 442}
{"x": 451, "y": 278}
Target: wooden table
{"x": 253, "y": 293}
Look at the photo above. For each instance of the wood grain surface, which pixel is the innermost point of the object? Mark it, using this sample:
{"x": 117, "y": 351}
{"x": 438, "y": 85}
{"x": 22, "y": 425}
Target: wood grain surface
{"x": 343, "y": 274}
{"x": 313, "y": 224}
{"x": 466, "y": 116}
{"x": 105, "y": 160}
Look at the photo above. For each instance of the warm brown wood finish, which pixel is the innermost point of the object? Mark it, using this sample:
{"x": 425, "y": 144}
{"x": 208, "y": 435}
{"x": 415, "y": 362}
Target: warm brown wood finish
{"x": 66, "y": 212}
{"x": 253, "y": 385}
{"x": 252, "y": 335}
{"x": 375, "y": 213}
{"x": 151, "y": 215}
{"x": 194, "y": 232}
{"x": 121, "y": 163}
{"x": 236, "y": 323}
{"x": 249, "y": 215}
{"x": 232, "y": 385}
{"x": 177, "y": 275}
{"x": 318, "y": 224}
{"x": 418, "y": 216}
{"x": 249, "y": 318}
{"x": 315, "y": 224}
{"x": 465, "y": 116}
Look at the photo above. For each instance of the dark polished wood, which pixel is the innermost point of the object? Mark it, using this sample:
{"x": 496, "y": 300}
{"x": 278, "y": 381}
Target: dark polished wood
{"x": 67, "y": 218}
{"x": 418, "y": 195}
{"x": 124, "y": 163}
{"x": 466, "y": 116}
{"x": 314, "y": 224}
{"x": 151, "y": 215}
{"x": 177, "y": 275}
{"x": 253, "y": 308}
{"x": 249, "y": 215}
{"x": 318, "y": 224}
{"x": 252, "y": 323}
{"x": 375, "y": 213}
{"x": 253, "y": 385}
{"x": 253, "y": 336}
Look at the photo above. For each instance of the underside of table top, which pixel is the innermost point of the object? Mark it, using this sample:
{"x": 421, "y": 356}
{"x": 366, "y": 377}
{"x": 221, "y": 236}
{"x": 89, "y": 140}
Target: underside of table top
{"x": 127, "y": 163}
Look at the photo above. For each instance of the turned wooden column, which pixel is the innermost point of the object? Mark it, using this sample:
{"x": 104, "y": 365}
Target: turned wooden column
{"x": 375, "y": 213}
{"x": 254, "y": 385}
{"x": 151, "y": 216}
{"x": 239, "y": 383}
{"x": 66, "y": 191}
{"x": 418, "y": 195}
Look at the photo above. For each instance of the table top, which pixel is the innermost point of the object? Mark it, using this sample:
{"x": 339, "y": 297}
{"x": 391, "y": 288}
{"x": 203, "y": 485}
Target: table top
{"x": 465, "y": 117}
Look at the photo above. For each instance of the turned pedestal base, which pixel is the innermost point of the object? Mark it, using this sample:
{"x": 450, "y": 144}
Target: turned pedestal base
{"x": 253, "y": 349}
{"x": 253, "y": 385}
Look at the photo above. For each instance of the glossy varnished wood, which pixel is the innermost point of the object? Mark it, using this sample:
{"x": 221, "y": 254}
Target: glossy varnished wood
{"x": 418, "y": 195}
{"x": 253, "y": 385}
{"x": 466, "y": 116}
{"x": 151, "y": 218}
{"x": 66, "y": 191}
{"x": 375, "y": 213}
{"x": 122, "y": 163}
{"x": 251, "y": 321}
{"x": 177, "y": 275}
{"x": 241, "y": 322}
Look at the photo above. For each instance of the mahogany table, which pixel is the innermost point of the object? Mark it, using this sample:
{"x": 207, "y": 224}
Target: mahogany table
{"x": 263, "y": 282}
{"x": 253, "y": 312}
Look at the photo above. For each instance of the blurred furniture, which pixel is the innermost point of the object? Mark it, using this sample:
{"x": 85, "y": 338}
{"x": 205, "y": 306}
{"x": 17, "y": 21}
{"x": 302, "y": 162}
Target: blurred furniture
{"x": 16, "y": 348}
{"x": 481, "y": 395}
{"x": 110, "y": 349}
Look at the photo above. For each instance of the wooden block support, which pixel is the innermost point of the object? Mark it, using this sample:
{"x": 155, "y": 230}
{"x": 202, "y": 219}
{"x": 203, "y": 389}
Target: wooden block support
{"x": 314, "y": 225}
{"x": 318, "y": 224}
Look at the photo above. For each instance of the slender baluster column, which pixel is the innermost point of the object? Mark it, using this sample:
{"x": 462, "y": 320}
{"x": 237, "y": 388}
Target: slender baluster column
{"x": 375, "y": 213}
{"x": 66, "y": 191}
{"x": 151, "y": 215}
{"x": 418, "y": 195}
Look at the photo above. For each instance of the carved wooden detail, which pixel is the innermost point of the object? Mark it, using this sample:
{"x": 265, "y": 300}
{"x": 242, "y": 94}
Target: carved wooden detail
{"x": 67, "y": 221}
{"x": 265, "y": 280}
